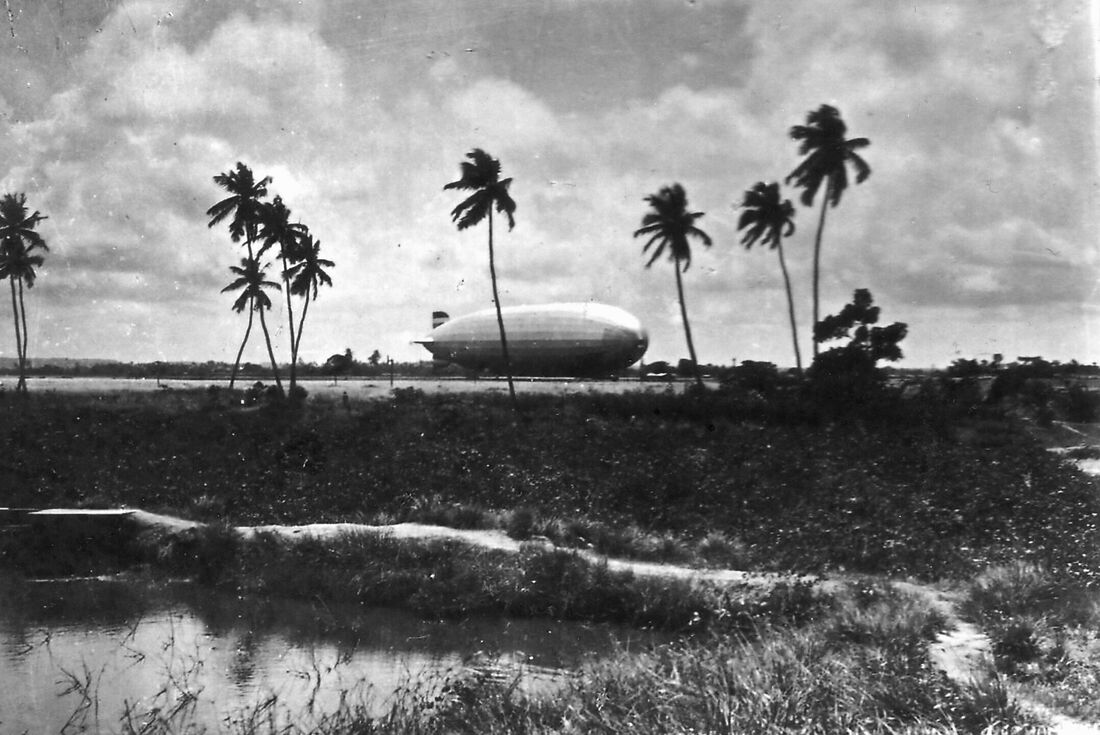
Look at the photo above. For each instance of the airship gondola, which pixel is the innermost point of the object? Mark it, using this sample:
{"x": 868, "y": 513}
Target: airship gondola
{"x": 582, "y": 339}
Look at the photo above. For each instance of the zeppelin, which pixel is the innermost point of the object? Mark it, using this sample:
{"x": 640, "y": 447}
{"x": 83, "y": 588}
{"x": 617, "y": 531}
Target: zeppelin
{"x": 547, "y": 340}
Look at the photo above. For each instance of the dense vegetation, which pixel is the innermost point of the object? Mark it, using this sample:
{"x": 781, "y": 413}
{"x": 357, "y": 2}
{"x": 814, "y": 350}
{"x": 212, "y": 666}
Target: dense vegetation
{"x": 760, "y": 475}
{"x": 922, "y": 494}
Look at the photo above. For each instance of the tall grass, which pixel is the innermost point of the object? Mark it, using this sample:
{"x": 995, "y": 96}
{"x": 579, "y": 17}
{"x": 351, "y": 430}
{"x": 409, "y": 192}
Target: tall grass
{"x": 1044, "y": 627}
{"x": 448, "y": 579}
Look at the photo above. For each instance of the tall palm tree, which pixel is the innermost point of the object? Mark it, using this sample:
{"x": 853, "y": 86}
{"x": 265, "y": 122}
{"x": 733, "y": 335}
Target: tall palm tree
{"x": 18, "y": 243}
{"x": 252, "y": 284}
{"x": 481, "y": 175}
{"x": 17, "y": 264}
{"x": 828, "y": 155}
{"x": 768, "y": 219}
{"x": 305, "y": 277}
{"x": 670, "y": 224}
{"x": 244, "y": 204}
{"x": 277, "y": 229}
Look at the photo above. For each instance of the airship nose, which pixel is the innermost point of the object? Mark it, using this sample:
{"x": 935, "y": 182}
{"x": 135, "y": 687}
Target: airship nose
{"x": 641, "y": 343}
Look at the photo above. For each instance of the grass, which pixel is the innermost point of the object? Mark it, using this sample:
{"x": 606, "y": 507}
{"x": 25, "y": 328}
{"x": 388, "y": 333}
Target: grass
{"x": 448, "y": 579}
{"x": 861, "y": 667}
{"x": 1044, "y": 632}
{"x": 723, "y": 480}
{"x": 654, "y": 476}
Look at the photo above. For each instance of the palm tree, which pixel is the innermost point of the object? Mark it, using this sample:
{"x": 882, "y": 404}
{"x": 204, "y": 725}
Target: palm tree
{"x": 769, "y": 220}
{"x": 482, "y": 176}
{"x": 17, "y": 264}
{"x": 18, "y": 241}
{"x": 305, "y": 277}
{"x": 250, "y": 280}
{"x": 277, "y": 229}
{"x": 827, "y": 157}
{"x": 244, "y": 204}
{"x": 671, "y": 224}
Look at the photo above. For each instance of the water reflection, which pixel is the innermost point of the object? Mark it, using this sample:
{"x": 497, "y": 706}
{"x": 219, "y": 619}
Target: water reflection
{"x": 80, "y": 652}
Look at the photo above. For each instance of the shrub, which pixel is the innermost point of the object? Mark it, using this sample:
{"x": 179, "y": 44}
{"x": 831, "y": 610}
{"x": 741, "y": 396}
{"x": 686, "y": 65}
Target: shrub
{"x": 520, "y": 523}
{"x": 718, "y": 549}
{"x": 1080, "y": 405}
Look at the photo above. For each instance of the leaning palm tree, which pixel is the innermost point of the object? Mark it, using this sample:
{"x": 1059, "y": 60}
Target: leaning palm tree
{"x": 276, "y": 229}
{"x": 828, "y": 154}
{"x": 768, "y": 219}
{"x": 670, "y": 224}
{"x": 251, "y": 282}
{"x": 482, "y": 176}
{"x": 18, "y": 243}
{"x": 305, "y": 277}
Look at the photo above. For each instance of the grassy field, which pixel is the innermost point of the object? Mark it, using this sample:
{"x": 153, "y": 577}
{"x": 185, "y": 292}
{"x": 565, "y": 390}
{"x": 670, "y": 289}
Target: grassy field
{"x": 960, "y": 494}
{"x": 652, "y": 476}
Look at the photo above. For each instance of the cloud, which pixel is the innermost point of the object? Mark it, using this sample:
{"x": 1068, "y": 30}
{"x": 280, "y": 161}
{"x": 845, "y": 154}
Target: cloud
{"x": 979, "y": 202}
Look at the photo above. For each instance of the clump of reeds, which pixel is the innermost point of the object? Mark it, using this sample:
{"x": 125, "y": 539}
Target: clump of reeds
{"x": 1042, "y": 624}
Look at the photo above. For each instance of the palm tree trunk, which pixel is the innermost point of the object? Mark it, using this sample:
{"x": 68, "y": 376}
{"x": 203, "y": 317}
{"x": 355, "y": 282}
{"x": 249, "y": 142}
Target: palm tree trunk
{"x": 23, "y": 352}
{"x": 500, "y": 317}
{"x": 817, "y": 261}
{"x": 687, "y": 326}
{"x": 271, "y": 353}
{"x": 290, "y": 319}
{"x": 237, "y": 364}
{"x": 301, "y": 326}
{"x": 18, "y": 334}
{"x": 249, "y": 236}
{"x": 790, "y": 309}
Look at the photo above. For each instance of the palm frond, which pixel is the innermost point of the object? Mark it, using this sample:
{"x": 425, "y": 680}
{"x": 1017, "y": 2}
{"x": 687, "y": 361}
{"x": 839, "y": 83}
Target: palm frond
{"x": 472, "y": 210}
{"x": 505, "y": 204}
{"x": 862, "y": 169}
{"x": 481, "y": 171}
{"x": 670, "y": 225}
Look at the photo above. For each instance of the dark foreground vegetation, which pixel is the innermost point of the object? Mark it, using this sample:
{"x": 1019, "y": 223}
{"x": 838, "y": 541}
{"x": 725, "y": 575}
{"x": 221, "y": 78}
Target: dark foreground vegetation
{"x": 918, "y": 487}
{"x": 944, "y": 484}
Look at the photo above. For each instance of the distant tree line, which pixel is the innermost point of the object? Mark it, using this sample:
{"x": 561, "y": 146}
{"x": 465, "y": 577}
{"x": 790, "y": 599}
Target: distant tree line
{"x": 211, "y": 370}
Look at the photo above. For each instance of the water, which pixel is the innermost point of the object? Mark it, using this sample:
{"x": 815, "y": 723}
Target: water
{"x": 83, "y": 653}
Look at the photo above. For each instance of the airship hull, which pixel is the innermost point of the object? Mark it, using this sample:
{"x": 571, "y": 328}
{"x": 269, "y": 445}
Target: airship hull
{"x": 547, "y": 340}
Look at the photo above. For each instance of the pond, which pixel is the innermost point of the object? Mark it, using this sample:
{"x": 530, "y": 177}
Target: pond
{"x": 80, "y": 655}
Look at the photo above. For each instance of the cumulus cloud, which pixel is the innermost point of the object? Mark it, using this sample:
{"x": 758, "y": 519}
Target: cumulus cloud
{"x": 979, "y": 215}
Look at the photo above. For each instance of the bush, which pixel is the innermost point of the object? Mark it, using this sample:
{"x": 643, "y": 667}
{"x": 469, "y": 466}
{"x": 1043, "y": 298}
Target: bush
{"x": 1079, "y": 405}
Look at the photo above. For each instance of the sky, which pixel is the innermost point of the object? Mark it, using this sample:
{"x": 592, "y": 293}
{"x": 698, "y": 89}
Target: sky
{"x": 978, "y": 226}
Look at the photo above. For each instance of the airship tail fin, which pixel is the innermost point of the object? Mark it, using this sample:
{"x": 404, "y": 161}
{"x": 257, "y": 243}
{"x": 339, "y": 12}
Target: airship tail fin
{"x": 439, "y": 317}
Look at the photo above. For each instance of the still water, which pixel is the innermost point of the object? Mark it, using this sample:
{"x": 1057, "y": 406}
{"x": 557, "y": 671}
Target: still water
{"x": 78, "y": 655}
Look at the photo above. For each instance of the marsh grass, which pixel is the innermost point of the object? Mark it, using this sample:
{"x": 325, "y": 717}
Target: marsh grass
{"x": 448, "y": 579}
{"x": 1045, "y": 633}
